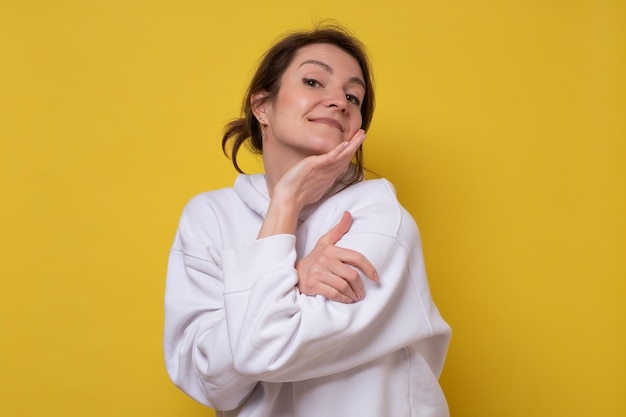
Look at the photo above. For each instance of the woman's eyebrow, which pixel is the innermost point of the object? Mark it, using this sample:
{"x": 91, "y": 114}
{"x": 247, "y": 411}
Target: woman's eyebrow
{"x": 329, "y": 70}
{"x": 321, "y": 64}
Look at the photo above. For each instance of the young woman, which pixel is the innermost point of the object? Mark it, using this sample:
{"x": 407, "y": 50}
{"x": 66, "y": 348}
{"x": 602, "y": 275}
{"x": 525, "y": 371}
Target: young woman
{"x": 302, "y": 291}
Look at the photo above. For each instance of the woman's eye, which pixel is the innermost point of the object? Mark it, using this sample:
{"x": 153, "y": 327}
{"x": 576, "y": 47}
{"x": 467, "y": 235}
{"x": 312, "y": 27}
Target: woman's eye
{"x": 353, "y": 99}
{"x": 311, "y": 82}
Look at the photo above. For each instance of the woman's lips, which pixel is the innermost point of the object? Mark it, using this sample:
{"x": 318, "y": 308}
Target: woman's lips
{"x": 328, "y": 121}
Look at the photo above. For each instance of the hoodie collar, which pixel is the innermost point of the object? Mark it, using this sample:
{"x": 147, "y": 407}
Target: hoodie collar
{"x": 252, "y": 189}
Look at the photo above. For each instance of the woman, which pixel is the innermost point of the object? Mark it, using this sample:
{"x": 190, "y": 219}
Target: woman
{"x": 302, "y": 292}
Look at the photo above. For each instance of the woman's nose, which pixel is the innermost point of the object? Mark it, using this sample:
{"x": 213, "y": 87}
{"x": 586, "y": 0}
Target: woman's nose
{"x": 337, "y": 99}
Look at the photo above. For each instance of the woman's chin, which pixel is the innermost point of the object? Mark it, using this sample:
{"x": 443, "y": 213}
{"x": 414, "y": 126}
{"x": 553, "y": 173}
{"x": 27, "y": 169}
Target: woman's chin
{"x": 324, "y": 145}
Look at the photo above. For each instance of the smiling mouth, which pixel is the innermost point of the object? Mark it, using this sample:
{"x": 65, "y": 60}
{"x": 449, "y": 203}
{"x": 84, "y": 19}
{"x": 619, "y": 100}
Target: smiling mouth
{"x": 329, "y": 122}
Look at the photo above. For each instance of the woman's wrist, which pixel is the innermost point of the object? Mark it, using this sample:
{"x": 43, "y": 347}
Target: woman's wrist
{"x": 281, "y": 218}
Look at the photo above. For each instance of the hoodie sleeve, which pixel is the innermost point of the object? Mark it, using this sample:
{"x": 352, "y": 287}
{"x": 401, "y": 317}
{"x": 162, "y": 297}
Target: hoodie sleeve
{"x": 196, "y": 344}
{"x": 278, "y": 334}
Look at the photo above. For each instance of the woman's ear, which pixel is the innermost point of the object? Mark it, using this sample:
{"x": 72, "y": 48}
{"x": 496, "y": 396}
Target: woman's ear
{"x": 259, "y": 106}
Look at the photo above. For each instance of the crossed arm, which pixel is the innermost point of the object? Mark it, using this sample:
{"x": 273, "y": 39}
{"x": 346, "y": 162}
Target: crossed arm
{"x": 198, "y": 354}
{"x": 328, "y": 270}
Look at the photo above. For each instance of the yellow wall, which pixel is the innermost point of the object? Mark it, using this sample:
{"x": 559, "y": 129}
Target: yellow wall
{"x": 502, "y": 124}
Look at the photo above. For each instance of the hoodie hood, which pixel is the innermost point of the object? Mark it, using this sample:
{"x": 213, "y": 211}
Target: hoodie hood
{"x": 252, "y": 189}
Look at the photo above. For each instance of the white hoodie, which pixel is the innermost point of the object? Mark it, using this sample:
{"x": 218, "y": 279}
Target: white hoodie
{"x": 240, "y": 337}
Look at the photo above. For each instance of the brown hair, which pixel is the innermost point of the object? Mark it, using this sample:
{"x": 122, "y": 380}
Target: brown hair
{"x": 267, "y": 78}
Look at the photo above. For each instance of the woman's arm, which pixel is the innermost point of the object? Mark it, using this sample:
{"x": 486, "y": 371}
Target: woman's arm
{"x": 196, "y": 344}
{"x": 280, "y": 335}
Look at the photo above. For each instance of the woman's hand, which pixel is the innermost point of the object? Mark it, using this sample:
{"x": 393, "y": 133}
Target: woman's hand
{"x": 312, "y": 177}
{"x": 329, "y": 270}
{"x": 306, "y": 183}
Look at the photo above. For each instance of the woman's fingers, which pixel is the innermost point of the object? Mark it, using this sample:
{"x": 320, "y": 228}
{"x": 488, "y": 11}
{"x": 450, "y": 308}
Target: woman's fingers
{"x": 341, "y": 155}
{"x": 337, "y": 232}
{"x": 331, "y": 293}
{"x": 346, "y": 150}
{"x": 357, "y": 260}
{"x": 356, "y": 141}
{"x": 334, "y": 288}
{"x": 347, "y": 281}
{"x": 334, "y": 267}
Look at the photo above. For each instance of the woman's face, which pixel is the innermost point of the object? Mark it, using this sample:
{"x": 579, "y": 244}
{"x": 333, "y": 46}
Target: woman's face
{"x": 318, "y": 104}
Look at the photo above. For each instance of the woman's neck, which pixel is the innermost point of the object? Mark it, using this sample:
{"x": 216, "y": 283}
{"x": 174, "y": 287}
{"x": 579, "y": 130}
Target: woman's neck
{"x": 276, "y": 164}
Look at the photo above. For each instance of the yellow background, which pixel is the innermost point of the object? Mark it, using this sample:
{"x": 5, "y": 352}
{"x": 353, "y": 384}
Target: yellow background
{"x": 501, "y": 123}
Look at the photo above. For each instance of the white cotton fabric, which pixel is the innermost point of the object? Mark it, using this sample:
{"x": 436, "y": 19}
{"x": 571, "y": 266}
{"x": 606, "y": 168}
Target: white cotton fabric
{"x": 239, "y": 337}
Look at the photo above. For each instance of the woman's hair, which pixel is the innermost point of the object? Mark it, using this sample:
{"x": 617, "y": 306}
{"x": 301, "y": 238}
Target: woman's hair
{"x": 267, "y": 79}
